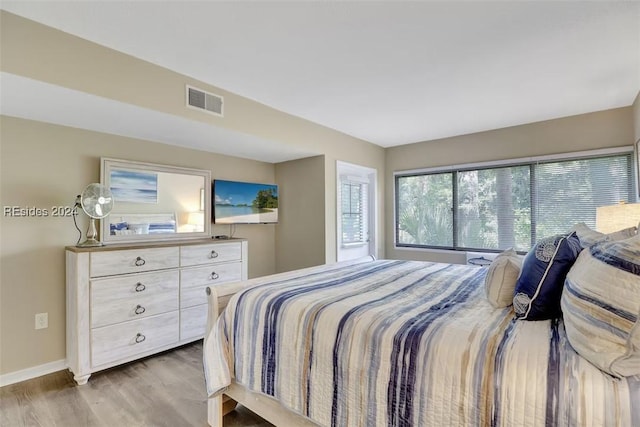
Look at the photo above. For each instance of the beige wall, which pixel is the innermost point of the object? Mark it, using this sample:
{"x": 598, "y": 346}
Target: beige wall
{"x": 301, "y": 213}
{"x": 44, "y": 165}
{"x": 611, "y": 128}
{"x": 78, "y": 64}
{"x": 636, "y": 138}
{"x": 81, "y": 65}
{"x": 636, "y": 118}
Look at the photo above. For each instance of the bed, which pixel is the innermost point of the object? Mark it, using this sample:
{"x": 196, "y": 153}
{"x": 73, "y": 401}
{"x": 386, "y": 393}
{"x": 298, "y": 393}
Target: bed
{"x": 400, "y": 343}
{"x": 146, "y": 223}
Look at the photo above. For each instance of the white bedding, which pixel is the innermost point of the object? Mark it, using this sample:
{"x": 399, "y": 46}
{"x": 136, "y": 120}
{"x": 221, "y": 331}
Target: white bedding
{"x": 406, "y": 343}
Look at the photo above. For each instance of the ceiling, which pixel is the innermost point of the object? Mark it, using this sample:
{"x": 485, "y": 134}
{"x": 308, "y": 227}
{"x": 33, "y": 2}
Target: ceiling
{"x": 388, "y": 72}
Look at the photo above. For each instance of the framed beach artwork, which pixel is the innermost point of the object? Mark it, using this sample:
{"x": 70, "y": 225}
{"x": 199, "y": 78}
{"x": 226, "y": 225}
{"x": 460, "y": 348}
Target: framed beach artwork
{"x": 244, "y": 203}
{"x": 133, "y": 186}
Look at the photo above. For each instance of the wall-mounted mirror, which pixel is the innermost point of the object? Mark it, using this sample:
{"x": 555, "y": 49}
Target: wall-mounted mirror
{"x": 155, "y": 202}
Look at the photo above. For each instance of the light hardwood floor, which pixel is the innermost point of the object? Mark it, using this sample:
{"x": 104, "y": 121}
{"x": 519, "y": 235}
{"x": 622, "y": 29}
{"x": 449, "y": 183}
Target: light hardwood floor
{"x": 163, "y": 390}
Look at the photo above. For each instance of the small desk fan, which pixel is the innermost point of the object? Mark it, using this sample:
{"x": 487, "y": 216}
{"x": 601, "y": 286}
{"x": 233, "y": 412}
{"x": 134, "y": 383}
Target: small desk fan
{"x": 96, "y": 201}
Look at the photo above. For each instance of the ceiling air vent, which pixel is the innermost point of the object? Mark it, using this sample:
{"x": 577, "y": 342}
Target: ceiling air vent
{"x": 205, "y": 101}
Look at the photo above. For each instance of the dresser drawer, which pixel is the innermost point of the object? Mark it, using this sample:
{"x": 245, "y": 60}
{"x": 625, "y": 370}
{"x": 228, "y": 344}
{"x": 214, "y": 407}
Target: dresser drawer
{"x": 109, "y": 263}
{"x": 193, "y": 322}
{"x": 118, "y": 299}
{"x": 211, "y": 274}
{"x": 197, "y": 295}
{"x": 206, "y": 254}
{"x": 121, "y": 341}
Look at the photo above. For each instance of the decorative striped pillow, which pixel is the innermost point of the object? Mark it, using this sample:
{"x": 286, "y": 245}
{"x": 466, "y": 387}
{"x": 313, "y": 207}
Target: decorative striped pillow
{"x": 601, "y": 306}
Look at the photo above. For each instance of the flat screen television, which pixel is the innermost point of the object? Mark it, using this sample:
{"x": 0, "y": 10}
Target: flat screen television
{"x": 244, "y": 202}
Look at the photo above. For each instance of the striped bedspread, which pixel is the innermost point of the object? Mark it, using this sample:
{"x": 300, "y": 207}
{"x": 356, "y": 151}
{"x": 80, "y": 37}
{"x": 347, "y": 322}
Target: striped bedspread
{"x": 406, "y": 343}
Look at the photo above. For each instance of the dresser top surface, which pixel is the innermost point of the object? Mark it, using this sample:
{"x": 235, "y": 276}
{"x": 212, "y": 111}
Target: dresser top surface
{"x": 157, "y": 244}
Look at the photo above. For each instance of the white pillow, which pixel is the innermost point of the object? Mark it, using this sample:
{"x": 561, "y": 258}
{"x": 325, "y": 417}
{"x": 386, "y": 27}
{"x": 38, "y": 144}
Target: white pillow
{"x": 601, "y": 306}
{"x": 589, "y": 237}
{"x": 501, "y": 278}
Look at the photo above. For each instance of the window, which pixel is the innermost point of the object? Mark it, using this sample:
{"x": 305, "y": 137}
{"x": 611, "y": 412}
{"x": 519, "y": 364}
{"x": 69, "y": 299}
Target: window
{"x": 424, "y": 209}
{"x": 354, "y": 206}
{"x": 511, "y": 205}
{"x": 494, "y": 208}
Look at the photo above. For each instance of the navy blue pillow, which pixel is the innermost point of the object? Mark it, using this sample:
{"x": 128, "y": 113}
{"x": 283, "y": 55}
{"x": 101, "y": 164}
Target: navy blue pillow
{"x": 539, "y": 287}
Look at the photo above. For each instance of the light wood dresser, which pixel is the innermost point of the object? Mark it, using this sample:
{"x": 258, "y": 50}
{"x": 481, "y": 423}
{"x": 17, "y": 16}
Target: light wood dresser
{"x": 129, "y": 301}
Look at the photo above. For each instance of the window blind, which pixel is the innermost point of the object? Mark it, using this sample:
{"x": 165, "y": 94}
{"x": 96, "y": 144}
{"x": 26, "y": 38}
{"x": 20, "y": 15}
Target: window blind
{"x": 354, "y": 211}
{"x": 494, "y": 208}
{"x": 568, "y": 192}
{"x": 498, "y": 207}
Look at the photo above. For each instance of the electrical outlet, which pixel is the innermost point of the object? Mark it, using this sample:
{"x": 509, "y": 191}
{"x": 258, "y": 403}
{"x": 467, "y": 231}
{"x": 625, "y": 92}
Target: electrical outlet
{"x": 42, "y": 320}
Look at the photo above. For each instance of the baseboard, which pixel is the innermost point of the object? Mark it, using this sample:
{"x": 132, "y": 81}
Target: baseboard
{"x": 29, "y": 373}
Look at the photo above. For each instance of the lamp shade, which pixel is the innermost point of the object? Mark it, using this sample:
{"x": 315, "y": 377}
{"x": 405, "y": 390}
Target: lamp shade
{"x": 196, "y": 219}
{"x": 612, "y": 218}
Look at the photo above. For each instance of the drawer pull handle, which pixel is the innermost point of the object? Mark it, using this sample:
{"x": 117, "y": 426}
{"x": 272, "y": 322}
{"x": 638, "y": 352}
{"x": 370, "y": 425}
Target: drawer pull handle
{"x": 140, "y": 262}
{"x": 140, "y": 309}
{"x": 213, "y": 254}
{"x": 214, "y": 276}
{"x": 140, "y": 287}
{"x": 140, "y": 338}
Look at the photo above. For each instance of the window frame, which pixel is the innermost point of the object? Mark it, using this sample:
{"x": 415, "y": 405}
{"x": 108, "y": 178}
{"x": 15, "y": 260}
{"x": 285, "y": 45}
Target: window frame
{"x": 526, "y": 161}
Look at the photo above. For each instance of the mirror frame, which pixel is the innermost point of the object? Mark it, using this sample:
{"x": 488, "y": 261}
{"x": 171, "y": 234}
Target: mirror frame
{"x": 108, "y": 164}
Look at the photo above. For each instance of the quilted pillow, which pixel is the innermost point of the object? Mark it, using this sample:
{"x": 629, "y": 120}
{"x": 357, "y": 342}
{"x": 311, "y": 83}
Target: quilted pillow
{"x": 589, "y": 237}
{"x": 601, "y": 306}
{"x": 539, "y": 287}
{"x": 623, "y": 234}
{"x": 500, "y": 281}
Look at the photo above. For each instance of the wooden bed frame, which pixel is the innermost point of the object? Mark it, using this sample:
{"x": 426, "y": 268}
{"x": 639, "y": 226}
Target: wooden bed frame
{"x": 265, "y": 406}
